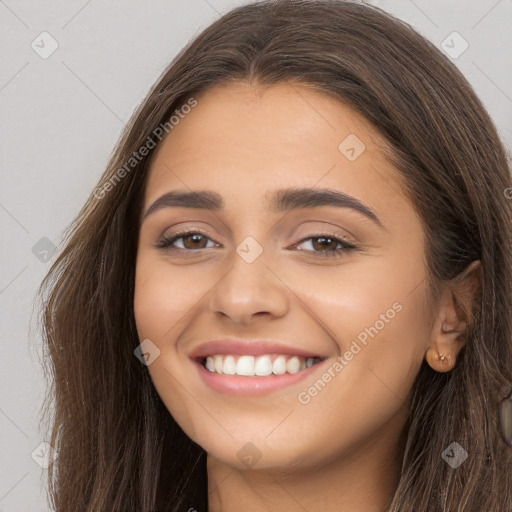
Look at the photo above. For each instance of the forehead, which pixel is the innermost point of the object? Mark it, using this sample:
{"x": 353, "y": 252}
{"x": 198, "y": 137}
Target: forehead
{"x": 245, "y": 140}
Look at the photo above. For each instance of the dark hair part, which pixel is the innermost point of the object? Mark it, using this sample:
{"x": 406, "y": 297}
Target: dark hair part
{"x": 119, "y": 448}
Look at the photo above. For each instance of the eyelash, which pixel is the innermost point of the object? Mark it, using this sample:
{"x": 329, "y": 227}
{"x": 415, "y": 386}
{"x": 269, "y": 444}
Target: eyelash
{"x": 166, "y": 243}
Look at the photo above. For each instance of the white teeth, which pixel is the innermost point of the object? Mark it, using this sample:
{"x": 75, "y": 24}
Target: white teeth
{"x": 229, "y": 366}
{"x": 217, "y": 363}
{"x": 293, "y": 365}
{"x": 261, "y": 366}
{"x": 209, "y": 364}
{"x": 245, "y": 365}
{"x": 279, "y": 365}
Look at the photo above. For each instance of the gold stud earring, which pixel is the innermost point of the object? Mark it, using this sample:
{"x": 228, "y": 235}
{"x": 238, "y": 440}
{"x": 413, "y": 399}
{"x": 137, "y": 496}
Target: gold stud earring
{"x": 443, "y": 358}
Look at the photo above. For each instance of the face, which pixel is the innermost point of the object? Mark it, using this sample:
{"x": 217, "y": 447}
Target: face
{"x": 339, "y": 278}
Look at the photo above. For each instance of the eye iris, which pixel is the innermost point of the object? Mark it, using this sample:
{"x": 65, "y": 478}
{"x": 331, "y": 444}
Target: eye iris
{"x": 323, "y": 238}
{"x": 196, "y": 238}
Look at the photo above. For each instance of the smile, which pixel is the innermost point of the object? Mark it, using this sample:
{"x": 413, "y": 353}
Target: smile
{"x": 248, "y": 382}
{"x": 261, "y": 366}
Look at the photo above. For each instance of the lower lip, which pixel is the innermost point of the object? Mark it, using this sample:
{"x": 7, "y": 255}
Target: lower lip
{"x": 238, "y": 385}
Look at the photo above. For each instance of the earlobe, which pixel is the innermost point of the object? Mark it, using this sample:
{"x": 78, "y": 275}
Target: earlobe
{"x": 440, "y": 362}
{"x": 455, "y": 314}
{"x": 447, "y": 340}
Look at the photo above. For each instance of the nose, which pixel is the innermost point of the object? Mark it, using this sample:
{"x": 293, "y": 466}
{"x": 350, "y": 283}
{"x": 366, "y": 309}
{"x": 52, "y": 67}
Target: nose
{"x": 249, "y": 291}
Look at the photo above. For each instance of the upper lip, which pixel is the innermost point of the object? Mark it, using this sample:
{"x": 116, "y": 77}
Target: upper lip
{"x": 248, "y": 347}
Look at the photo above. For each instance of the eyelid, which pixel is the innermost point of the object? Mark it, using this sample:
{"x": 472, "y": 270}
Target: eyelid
{"x": 166, "y": 243}
{"x": 162, "y": 243}
{"x": 328, "y": 234}
{"x": 346, "y": 247}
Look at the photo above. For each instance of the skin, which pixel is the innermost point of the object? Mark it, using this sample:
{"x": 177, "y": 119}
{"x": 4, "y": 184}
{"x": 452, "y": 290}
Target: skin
{"x": 341, "y": 450}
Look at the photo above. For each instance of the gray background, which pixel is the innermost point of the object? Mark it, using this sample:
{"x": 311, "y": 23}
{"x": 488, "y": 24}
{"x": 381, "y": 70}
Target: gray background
{"x": 61, "y": 117}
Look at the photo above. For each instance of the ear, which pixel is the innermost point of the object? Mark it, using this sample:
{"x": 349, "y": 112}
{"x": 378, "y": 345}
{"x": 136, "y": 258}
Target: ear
{"x": 454, "y": 315}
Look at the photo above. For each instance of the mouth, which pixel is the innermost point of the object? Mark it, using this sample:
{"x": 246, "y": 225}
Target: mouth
{"x": 241, "y": 367}
{"x": 248, "y": 375}
{"x": 264, "y": 365}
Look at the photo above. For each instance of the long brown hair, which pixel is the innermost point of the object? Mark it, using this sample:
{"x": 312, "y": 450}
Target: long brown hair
{"x": 119, "y": 448}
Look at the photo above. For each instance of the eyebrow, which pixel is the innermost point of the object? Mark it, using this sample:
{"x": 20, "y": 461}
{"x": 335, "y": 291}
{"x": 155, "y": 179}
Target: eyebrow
{"x": 281, "y": 200}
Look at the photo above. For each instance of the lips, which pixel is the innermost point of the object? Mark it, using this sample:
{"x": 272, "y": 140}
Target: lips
{"x": 249, "y": 348}
{"x": 260, "y": 382}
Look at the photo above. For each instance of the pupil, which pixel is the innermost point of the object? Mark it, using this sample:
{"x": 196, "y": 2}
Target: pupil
{"x": 322, "y": 240}
{"x": 196, "y": 238}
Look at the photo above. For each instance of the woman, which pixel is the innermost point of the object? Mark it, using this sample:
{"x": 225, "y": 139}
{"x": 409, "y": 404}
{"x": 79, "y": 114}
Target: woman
{"x": 291, "y": 289}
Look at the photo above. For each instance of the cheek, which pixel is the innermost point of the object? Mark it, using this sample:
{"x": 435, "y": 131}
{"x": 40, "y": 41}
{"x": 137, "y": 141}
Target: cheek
{"x": 163, "y": 299}
{"x": 378, "y": 296}
{"x": 379, "y": 334}
{"x": 378, "y": 318}
{"x": 164, "y": 296}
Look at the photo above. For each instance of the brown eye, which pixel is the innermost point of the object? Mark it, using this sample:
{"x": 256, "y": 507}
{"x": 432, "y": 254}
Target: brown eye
{"x": 192, "y": 240}
{"x": 325, "y": 245}
{"x": 196, "y": 241}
